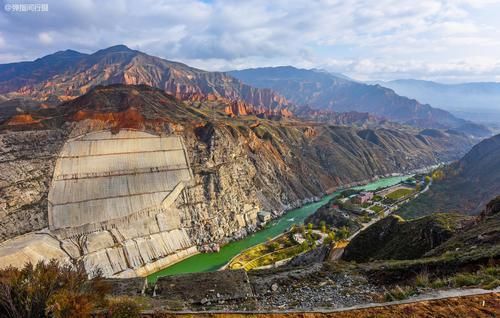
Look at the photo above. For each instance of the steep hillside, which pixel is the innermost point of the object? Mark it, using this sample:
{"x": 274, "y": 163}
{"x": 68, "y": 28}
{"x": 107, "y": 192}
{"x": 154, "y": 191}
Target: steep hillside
{"x": 69, "y": 74}
{"x": 467, "y": 185}
{"x": 325, "y": 91}
{"x": 239, "y": 165}
{"x": 439, "y": 245}
{"x": 395, "y": 238}
{"x": 14, "y": 76}
{"x": 474, "y": 101}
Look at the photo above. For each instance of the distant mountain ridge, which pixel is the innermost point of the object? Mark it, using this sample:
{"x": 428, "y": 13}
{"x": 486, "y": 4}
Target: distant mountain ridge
{"x": 280, "y": 91}
{"x": 69, "y": 74}
{"x": 322, "y": 90}
{"x": 474, "y": 101}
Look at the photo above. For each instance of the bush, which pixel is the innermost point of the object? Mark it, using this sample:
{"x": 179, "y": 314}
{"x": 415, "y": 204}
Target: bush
{"x": 399, "y": 293}
{"x": 26, "y": 292}
{"x": 272, "y": 246}
{"x": 422, "y": 280}
{"x": 124, "y": 308}
{"x": 439, "y": 283}
{"x": 465, "y": 279}
{"x": 66, "y": 303}
{"x": 49, "y": 290}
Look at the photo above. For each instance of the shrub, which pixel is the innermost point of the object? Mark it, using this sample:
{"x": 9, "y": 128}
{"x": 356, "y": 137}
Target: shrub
{"x": 67, "y": 303}
{"x": 422, "y": 280}
{"x": 465, "y": 279}
{"x": 49, "y": 289}
{"x": 439, "y": 283}
{"x": 399, "y": 293}
{"x": 492, "y": 285}
{"x": 124, "y": 308}
{"x": 273, "y": 246}
{"x": 26, "y": 292}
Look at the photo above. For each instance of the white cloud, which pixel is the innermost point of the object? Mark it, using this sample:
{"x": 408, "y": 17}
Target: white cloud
{"x": 45, "y": 38}
{"x": 360, "y": 37}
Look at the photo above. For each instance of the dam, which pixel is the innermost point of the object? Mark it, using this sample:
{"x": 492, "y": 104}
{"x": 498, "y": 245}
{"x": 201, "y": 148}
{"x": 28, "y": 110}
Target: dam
{"x": 103, "y": 176}
{"x": 111, "y": 205}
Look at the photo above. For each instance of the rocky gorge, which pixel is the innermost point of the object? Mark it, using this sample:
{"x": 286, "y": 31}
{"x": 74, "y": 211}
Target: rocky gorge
{"x": 239, "y": 165}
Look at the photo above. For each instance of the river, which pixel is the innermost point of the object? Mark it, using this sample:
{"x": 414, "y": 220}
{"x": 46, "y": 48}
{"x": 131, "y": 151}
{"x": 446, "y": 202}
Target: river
{"x": 207, "y": 262}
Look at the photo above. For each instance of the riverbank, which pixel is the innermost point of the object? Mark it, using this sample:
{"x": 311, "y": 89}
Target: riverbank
{"x": 207, "y": 262}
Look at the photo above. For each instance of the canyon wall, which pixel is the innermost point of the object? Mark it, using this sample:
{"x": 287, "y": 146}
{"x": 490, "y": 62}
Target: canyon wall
{"x": 237, "y": 166}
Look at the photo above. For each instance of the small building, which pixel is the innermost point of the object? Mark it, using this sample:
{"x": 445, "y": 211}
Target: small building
{"x": 264, "y": 216}
{"x": 362, "y": 197}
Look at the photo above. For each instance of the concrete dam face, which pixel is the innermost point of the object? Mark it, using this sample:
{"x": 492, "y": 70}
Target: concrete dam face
{"x": 102, "y": 177}
{"x": 111, "y": 205}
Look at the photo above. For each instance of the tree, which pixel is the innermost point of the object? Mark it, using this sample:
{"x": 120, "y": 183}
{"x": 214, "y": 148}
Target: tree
{"x": 331, "y": 235}
{"x": 273, "y": 246}
{"x": 310, "y": 226}
{"x": 322, "y": 225}
{"x": 302, "y": 229}
{"x": 343, "y": 233}
{"x": 438, "y": 175}
{"x": 304, "y": 246}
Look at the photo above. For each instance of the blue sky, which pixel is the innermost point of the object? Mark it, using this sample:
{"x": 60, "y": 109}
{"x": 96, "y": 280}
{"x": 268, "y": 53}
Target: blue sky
{"x": 449, "y": 41}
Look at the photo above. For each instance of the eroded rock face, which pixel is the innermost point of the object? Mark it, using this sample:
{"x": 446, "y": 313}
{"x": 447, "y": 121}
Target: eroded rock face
{"x": 27, "y": 160}
{"x": 239, "y": 167}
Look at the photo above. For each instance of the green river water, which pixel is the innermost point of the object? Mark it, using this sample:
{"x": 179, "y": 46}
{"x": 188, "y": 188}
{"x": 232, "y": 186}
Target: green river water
{"x": 207, "y": 262}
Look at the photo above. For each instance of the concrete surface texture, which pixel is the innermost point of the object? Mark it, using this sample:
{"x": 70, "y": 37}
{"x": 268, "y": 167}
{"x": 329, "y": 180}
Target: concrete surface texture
{"x": 103, "y": 176}
{"x": 111, "y": 206}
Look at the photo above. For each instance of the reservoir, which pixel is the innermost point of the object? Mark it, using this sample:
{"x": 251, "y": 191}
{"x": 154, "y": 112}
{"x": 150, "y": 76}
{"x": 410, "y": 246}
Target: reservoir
{"x": 207, "y": 262}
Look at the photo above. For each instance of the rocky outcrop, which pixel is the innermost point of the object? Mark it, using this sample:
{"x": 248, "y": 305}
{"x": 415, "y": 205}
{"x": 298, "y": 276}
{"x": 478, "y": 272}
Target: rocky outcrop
{"x": 239, "y": 166}
{"x": 27, "y": 163}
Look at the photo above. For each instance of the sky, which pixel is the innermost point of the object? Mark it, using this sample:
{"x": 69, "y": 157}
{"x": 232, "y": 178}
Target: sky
{"x": 446, "y": 41}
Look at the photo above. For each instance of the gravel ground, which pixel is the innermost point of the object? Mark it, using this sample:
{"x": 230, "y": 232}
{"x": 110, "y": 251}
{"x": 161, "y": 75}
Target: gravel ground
{"x": 311, "y": 287}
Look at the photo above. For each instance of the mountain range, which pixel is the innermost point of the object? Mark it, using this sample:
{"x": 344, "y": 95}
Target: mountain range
{"x": 281, "y": 91}
{"x": 474, "y": 101}
{"x": 69, "y": 74}
{"x": 326, "y": 91}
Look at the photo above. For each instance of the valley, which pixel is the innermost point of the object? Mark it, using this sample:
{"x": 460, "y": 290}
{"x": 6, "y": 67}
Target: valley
{"x": 126, "y": 177}
{"x": 216, "y": 260}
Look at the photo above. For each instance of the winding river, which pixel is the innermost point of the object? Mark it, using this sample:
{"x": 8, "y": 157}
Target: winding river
{"x": 207, "y": 262}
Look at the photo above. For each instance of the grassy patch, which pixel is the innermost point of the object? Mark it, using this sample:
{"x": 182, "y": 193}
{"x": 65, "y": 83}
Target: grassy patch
{"x": 486, "y": 277}
{"x": 422, "y": 280}
{"x": 248, "y": 259}
{"x": 399, "y": 293}
{"x": 376, "y": 208}
{"x": 399, "y": 193}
